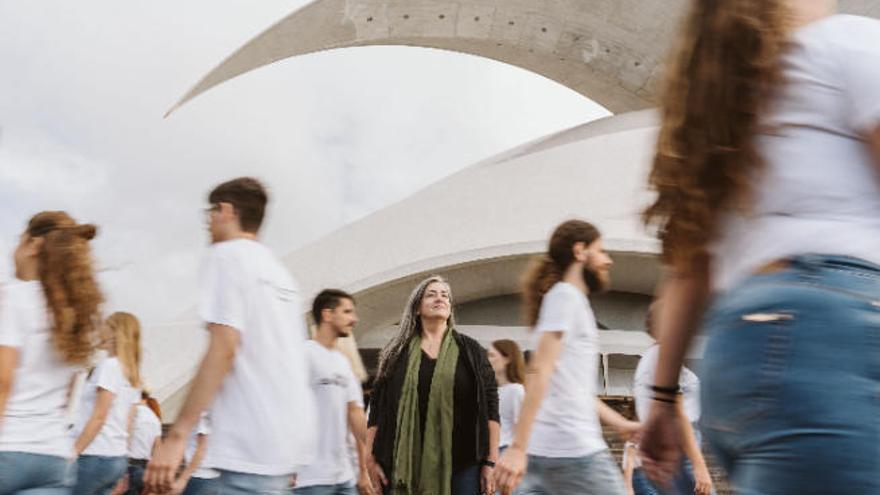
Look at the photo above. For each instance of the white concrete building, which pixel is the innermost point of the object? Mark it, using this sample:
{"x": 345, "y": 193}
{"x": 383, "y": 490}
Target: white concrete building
{"x": 485, "y": 222}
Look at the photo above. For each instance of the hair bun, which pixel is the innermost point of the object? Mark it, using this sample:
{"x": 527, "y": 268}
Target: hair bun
{"x": 86, "y": 231}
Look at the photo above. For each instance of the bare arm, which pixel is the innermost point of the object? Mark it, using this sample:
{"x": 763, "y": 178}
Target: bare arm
{"x": 215, "y": 365}
{"x": 693, "y": 452}
{"x": 625, "y": 428}
{"x": 874, "y": 146}
{"x": 629, "y": 468}
{"x": 357, "y": 422}
{"x": 685, "y": 295}
{"x": 103, "y": 403}
{"x": 8, "y": 363}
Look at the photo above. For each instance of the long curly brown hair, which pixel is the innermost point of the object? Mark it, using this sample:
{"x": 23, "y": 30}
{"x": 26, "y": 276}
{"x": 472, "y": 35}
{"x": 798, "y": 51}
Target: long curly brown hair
{"x": 549, "y": 268}
{"x": 68, "y": 280}
{"x": 719, "y": 81}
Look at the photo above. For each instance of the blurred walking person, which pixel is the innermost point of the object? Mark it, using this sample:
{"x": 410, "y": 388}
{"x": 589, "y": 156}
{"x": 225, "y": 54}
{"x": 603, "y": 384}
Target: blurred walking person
{"x": 108, "y": 403}
{"x": 768, "y": 209}
{"x": 557, "y": 445}
{"x": 146, "y": 430}
{"x": 339, "y": 401}
{"x": 253, "y": 375}
{"x": 509, "y": 366}
{"x": 47, "y": 331}
{"x": 692, "y": 475}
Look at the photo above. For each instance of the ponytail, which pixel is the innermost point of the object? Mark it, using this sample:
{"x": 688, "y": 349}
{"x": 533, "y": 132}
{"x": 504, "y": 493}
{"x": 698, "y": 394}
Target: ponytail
{"x": 68, "y": 281}
{"x": 540, "y": 277}
{"x": 548, "y": 269}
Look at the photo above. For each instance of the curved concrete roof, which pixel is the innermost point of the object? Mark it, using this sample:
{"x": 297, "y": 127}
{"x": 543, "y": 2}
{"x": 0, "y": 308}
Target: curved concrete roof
{"x": 610, "y": 51}
{"x": 480, "y": 226}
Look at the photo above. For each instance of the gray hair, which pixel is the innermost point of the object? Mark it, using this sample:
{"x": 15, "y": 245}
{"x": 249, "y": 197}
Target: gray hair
{"x": 410, "y": 325}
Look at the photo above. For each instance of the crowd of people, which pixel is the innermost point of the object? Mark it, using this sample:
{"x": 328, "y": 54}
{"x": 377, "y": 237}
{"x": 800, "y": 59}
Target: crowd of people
{"x": 766, "y": 174}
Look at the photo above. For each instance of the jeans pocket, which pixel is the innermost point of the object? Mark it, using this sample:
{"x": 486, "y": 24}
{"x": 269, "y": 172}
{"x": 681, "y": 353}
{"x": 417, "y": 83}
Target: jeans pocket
{"x": 744, "y": 367}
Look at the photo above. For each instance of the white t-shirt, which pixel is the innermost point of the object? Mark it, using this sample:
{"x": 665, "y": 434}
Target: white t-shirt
{"x": 335, "y": 387}
{"x": 147, "y": 428}
{"x": 644, "y": 380}
{"x": 202, "y": 429}
{"x": 819, "y": 192}
{"x": 35, "y": 417}
{"x": 112, "y": 439}
{"x": 567, "y": 424}
{"x": 263, "y": 417}
{"x": 510, "y": 399}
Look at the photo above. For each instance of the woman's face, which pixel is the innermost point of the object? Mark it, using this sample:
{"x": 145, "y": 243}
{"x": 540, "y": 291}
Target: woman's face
{"x": 435, "y": 302}
{"x": 498, "y": 361}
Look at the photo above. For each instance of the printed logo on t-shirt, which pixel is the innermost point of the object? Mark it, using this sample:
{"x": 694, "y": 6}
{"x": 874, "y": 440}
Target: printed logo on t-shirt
{"x": 336, "y": 380}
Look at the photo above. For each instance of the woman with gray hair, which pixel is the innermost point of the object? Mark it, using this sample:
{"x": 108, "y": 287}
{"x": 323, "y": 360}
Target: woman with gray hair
{"x": 433, "y": 424}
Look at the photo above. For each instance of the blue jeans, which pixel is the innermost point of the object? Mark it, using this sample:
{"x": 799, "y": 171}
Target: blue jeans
{"x": 682, "y": 484}
{"x": 232, "y": 483}
{"x": 202, "y": 486}
{"x": 35, "y": 474}
{"x": 135, "y": 479}
{"x": 791, "y": 379}
{"x": 98, "y": 475}
{"x": 595, "y": 474}
{"x": 347, "y": 488}
{"x": 464, "y": 482}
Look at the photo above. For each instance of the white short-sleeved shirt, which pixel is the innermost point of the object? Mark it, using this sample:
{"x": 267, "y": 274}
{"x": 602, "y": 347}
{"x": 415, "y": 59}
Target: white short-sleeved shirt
{"x": 335, "y": 387}
{"x": 263, "y": 417}
{"x": 147, "y": 428}
{"x": 112, "y": 439}
{"x": 35, "y": 418}
{"x": 819, "y": 192}
{"x": 202, "y": 429}
{"x": 567, "y": 424}
{"x": 644, "y": 380}
{"x": 510, "y": 399}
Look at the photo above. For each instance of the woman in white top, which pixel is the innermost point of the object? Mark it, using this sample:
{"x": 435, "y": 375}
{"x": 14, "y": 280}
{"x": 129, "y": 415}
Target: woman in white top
{"x": 46, "y": 337}
{"x": 108, "y": 405}
{"x": 507, "y": 361}
{"x": 558, "y": 426}
{"x": 146, "y": 430}
{"x": 768, "y": 180}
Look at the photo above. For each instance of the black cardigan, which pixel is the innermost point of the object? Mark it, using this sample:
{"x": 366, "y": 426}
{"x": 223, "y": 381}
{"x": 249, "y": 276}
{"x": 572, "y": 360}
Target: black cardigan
{"x": 386, "y": 396}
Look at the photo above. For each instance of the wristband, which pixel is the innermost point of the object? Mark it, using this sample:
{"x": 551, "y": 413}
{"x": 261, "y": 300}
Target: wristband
{"x": 664, "y": 399}
{"x": 666, "y": 390}
{"x": 487, "y": 463}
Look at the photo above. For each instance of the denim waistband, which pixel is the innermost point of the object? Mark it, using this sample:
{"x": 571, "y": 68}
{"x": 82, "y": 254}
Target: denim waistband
{"x": 814, "y": 261}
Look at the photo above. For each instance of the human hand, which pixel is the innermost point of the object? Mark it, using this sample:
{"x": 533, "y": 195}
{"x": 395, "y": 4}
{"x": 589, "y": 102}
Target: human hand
{"x": 510, "y": 469}
{"x": 162, "y": 469}
{"x": 660, "y": 443}
{"x": 487, "y": 480}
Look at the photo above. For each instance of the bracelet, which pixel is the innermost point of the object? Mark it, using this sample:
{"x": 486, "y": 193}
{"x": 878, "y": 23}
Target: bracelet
{"x": 664, "y": 399}
{"x": 487, "y": 463}
{"x": 666, "y": 390}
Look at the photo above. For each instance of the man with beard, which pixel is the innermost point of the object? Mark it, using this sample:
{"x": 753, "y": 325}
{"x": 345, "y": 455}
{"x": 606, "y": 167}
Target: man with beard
{"x": 339, "y": 402}
{"x": 558, "y": 436}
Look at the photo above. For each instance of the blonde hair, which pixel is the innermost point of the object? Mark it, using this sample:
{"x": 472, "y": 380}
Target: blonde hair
{"x": 126, "y": 331}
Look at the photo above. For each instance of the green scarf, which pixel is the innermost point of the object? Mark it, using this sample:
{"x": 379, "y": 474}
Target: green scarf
{"x": 425, "y": 467}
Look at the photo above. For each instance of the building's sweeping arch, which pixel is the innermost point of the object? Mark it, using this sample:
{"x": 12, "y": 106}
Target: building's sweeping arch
{"x": 611, "y": 51}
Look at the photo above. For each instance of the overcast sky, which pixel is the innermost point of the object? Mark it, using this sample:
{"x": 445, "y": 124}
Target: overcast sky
{"x": 334, "y": 135}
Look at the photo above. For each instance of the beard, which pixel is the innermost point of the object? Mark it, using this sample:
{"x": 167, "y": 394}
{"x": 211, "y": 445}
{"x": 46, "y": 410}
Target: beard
{"x": 594, "y": 281}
